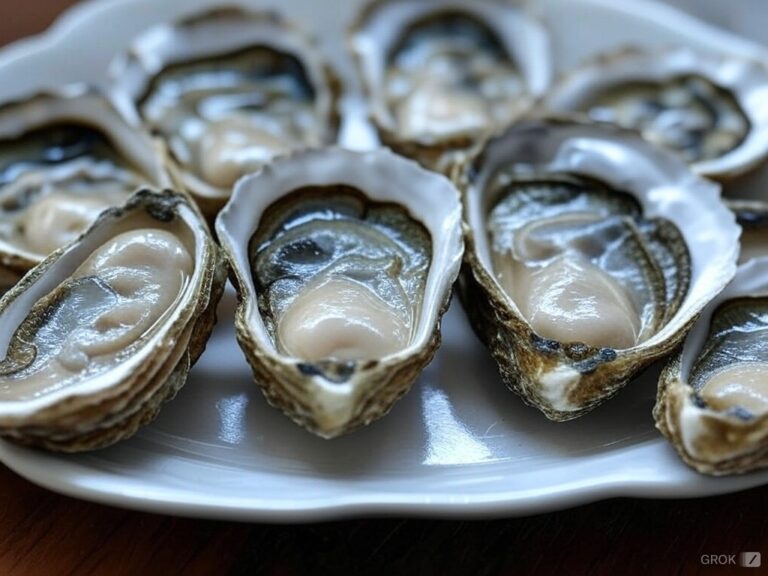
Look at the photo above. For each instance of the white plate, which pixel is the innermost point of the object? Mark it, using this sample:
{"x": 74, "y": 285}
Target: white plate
{"x": 458, "y": 445}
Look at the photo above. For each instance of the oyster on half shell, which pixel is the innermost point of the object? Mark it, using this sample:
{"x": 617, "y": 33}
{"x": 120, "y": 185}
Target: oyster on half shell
{"x": 712, "y": 110}
{"x": 101, "y": 333}
{"x": 589, "y": 253}
{"x": 344, "y": 264}
{"x": 713, "y": 395}
{"x": 64, "y": 158}
{"x": 228, "y": 90}
{"x": 442, "y": 74}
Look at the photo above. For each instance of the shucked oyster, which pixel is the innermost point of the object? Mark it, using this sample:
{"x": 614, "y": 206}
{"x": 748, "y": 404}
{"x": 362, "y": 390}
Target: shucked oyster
{"x": 711, "y": 110}
{"x": 713, "y": 396}
{"x": 101, "y": 333}
{"x": 228, "y": 91}
{"x": 589, "y": 252}
{"x": 344, "y": 264}
{"x": 439, "y": 74}
{"x": 64, "y": 158}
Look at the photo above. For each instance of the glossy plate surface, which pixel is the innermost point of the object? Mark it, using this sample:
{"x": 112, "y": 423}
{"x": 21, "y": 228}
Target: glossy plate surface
{"x": 459, "y": 444}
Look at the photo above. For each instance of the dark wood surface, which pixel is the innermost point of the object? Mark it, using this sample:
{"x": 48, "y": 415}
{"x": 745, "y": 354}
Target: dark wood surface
{"x": 43, "y": 533}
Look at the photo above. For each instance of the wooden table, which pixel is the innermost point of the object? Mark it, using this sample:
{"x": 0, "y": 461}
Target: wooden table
{"x": 43, "y": 533}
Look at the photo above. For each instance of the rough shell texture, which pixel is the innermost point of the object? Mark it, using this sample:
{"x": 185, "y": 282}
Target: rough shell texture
{"x": 217, "y": 33}
{"x": 745, "y": 80}
{"x": 330, "y": 398}
{"x": 79, "y": 104}
{"x": 378, "y": 30}
{"x": 98, "y": 412}
{"x": 566, "y": 380}
{"x": 709, "y": 440}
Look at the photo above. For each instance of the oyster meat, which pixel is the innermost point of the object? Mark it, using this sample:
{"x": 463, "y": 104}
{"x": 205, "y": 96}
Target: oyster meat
{"x": 439, "y": 75}
{"x": 585, "y": 258}
{"x": 710, "y": 110}
{"x": 582, "y": 263}
{"x": 228, "y": 91}
{"x": 64, "y": 158}
{"x": 344, "y": 264}
{"x": 713, "y": 396}
{"x": 339, "y": 277}
{"x": 99, "y": 335}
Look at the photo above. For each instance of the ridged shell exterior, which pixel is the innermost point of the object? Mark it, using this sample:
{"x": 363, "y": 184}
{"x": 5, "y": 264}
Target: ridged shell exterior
{"x": 332, "y": 398}
{"x": 79, "y": 418}
{"x": 566, "y": 380}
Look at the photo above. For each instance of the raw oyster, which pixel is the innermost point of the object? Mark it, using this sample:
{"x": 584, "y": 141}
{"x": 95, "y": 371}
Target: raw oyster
{"x": 100, "y": 334}
{"x": 227, "y": 91}
{"x": 589, "y": 253}
{"x": 64, "y": 158}
{"x": 712, "y": 110}
{"x": 713, "y": 396}
{"x": 442, "y": 74}
{"x": 344, "y": 264}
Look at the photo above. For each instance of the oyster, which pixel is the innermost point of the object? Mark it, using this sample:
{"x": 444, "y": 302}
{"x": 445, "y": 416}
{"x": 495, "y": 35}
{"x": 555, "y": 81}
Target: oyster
{"x": 344, "y": 264}
{"x": 589, "y": 253}
{"x": 64, "y": 158}
{"x": 713, "y": 398}
{"x": 441, "y": 74}
{"x": 102, "y": 332}
{"x": 712, "y": 110}
{"x": 227, "y": 91}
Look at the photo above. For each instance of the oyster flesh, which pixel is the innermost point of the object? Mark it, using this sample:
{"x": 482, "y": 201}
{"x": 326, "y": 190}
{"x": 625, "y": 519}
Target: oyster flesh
{"x": 712, "y": 110}
{"x": 227, "y": 91}
{"x": 713, "y": 395}
{"x": 344, "y": 264}
{"x": 101, "y": 333}
{"x": 589, "y": 253}
{"x": 440, "y": 75}
{"x": 64, "y": 158}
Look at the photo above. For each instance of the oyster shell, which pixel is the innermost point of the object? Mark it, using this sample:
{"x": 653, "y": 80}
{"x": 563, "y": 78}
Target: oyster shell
{"x": 100, "y": 334}
{"x": 344, "y": 264}
{"x": 64, "y": 158}
{"x": 442, "y": 74}
{"x": 713, "y": 400}
{"x": 589, "y": 253}
{"x": 710, "y": 109}
{"x": 228, "y": 90}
